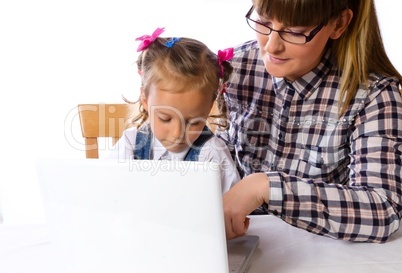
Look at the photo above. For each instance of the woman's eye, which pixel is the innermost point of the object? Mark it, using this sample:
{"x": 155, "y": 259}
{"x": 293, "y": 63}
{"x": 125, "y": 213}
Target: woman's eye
{"x": 295, "y": 31}
{"x": 264, "y": 22}
{"x": 294, "y": 34}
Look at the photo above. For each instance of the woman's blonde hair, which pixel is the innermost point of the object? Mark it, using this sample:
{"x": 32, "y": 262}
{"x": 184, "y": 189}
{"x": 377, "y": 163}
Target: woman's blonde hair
{"x": 188, "y": 63}
{"x": 359, "y": 51}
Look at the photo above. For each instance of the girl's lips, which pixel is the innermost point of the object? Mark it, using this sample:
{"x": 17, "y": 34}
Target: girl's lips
{"x": 175, "y": 143}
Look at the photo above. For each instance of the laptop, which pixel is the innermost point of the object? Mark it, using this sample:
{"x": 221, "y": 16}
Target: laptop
{"x": 139, "y": 216}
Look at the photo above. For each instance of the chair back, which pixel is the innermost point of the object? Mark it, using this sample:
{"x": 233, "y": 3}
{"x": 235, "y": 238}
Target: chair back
{"x": 109, "y": 121}
{"x": 104, "y": 121}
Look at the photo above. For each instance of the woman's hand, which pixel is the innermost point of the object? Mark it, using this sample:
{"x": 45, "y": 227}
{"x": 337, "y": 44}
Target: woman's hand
{"x": 247, "y": 195}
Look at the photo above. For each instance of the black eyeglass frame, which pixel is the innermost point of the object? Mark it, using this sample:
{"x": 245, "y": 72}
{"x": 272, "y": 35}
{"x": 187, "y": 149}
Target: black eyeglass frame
{"x": 308, "y": 37}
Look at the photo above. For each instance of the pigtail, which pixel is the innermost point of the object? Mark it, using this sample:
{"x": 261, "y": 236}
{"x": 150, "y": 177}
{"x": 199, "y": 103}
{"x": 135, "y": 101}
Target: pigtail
{"x": 219, "y": 111}
{"x": 220, "y": 99}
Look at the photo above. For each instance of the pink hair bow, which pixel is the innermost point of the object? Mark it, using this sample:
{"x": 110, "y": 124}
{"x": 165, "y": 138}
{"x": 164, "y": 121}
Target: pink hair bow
{"x": 224, "y": 55}
{"x": 148, "y": 39}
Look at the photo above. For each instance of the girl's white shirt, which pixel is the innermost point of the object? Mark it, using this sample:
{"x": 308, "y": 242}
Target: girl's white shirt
{"x": 214, "y": 150}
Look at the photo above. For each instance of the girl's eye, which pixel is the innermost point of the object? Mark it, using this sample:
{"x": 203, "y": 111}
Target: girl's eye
{"x": 164, "y": 120}
{"x": 194, "y": 123}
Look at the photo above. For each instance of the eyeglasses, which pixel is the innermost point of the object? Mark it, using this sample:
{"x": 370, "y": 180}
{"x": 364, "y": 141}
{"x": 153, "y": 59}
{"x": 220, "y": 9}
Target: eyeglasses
{"x": 287, "y": 36}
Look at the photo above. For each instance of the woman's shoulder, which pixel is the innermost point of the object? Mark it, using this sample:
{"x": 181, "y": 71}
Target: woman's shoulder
{"x": 248, "y": 49}
{"x": 247, "y": 59}
{"x": 379, "y": 80}
{"x": 379, "y": 83}
{"x": 379, "y": 89}
{"x": 246, "y": 46}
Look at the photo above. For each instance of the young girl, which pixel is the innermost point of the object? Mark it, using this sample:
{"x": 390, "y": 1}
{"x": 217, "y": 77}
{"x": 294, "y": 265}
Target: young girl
{"x": 181, "y": 80}
{"x": 324, "y": 102}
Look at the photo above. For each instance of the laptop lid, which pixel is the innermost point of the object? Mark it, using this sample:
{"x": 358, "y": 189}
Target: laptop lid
{"x": 135, "y": 216}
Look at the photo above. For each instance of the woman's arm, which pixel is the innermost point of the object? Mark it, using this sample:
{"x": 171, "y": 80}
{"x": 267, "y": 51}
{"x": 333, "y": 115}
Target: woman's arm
{"x": 366, "y": 208}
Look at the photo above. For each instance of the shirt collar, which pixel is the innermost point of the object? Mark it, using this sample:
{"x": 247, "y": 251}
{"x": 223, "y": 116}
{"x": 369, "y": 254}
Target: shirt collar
{"x": 308, "y": 83}
{"x": 160, "y": 152}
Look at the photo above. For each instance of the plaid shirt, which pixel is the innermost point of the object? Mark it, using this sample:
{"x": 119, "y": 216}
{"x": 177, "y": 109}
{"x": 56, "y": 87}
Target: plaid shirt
{"x": 338, "y": 177}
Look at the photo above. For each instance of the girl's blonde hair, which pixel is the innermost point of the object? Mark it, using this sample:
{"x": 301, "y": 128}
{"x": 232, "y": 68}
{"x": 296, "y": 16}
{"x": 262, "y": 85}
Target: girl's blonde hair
{"x": 359, "y": 51}
{"x": 188, "y": 63}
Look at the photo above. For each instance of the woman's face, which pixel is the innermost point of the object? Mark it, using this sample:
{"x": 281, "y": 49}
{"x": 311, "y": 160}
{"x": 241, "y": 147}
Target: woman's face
{"x": 286, "y": 60}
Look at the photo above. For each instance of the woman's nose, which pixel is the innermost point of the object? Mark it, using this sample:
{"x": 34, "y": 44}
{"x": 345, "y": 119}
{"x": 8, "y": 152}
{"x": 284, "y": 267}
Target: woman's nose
{"x": 274, "y": 43}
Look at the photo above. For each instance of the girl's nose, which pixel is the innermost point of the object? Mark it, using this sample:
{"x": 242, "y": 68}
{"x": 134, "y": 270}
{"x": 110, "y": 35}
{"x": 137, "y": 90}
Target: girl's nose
{"x": 177, "y": 130}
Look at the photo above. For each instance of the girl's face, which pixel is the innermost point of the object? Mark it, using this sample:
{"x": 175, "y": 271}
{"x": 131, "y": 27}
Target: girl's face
{"x": 286, "y": 60}
{"x": 177, "y": 117}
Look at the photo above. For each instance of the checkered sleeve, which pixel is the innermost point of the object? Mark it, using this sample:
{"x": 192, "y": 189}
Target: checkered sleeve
{"x": 369, "y": 206}
{"x": 336, "y": 177}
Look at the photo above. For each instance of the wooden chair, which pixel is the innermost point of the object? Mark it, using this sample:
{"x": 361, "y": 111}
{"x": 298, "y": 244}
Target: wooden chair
{"x": 109, "y": 120}
{"x": 104, "y": 120}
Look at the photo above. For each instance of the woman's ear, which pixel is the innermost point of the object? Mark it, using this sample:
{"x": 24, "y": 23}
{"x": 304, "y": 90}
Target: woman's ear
{"x": 143, "y": 100}
{"x": 342, "y": 23}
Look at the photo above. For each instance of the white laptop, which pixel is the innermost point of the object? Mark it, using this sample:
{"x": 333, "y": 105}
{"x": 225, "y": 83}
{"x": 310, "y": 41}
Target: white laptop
{"x": 139, "y": 216}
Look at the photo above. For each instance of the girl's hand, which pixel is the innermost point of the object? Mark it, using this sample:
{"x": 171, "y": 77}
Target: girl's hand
{"x": 247, "y": 195}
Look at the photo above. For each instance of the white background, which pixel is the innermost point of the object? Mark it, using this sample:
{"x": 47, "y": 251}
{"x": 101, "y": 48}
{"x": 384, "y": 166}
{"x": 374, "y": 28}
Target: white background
{"x": 55, "y": 54}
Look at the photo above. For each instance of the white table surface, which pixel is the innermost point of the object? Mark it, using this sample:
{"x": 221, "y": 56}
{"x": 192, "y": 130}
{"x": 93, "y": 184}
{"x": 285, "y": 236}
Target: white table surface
{"x": 283, "y": 249}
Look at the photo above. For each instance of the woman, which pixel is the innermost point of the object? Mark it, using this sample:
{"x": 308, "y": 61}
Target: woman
{"x": 315, "y": 112}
